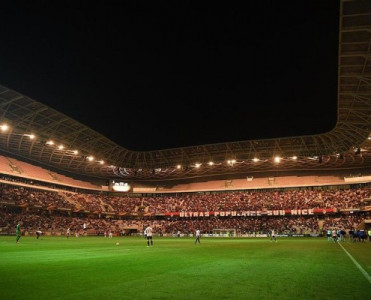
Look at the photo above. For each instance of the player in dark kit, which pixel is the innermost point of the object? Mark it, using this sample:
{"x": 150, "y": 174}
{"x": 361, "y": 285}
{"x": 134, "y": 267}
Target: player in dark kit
{"x": 18, "y": 232}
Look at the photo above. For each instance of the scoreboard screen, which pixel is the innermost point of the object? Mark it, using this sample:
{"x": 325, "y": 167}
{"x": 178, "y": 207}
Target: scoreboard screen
{"x": 120, "y": 186}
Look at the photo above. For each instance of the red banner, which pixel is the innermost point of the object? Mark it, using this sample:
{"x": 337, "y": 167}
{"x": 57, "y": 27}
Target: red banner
{"x": 253, "y": 213}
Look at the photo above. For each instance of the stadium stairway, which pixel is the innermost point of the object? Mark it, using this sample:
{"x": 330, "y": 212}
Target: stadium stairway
{"x": 70, "y": 200}
{"x": 320, "y": 224}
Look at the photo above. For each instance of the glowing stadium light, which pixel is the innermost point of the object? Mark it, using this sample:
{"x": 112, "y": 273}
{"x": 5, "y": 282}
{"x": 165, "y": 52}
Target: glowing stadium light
{"x": 60, "y": 147}
{"x": 90, "y": 158}
{"x": 31, "y": 136}
{"x": 50, "y": 142}
{"x": 197, "y": 165}
{"x": 178, "y": 167}
{"x": 231, "y": 162}
{"x": 313, "y": 157}
{"x": 339, "y": 155}
{"x": 210, "y": 163}
{"x": 4, "y": 127}
{"x": 74, "y": 152}
{"x": 255, "y": 159}
{"x": 294, "y": 157}
{"x": 277, "y": 159}
{"x": 101, "y": 162}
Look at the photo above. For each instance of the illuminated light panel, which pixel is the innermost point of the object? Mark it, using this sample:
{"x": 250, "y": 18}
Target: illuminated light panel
{"x": 178, "y": 167}
{"x": 90, "y": 158}
{"x": 294, "y": 157}
{"x": 231, "y": 161}
{"x": 255, "y": 159}
{"x": 4, "y": 127}
{"x": 277, "y": 159}
{"x": 197, "y": 165}
{"x": 210, "y": 163}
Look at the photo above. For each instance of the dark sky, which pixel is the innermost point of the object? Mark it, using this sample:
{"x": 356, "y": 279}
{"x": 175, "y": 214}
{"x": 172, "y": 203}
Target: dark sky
{"x": 155, "y": 75}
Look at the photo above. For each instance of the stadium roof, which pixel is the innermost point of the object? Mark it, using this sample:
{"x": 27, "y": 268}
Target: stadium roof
{"x": 79, "y": 149}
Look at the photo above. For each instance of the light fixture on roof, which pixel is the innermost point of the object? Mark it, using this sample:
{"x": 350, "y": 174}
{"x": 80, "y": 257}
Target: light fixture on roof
{"x": 255, "y": 159}
{"x": 60, "y": 147}
{"x": 4, "y": 127}
{"x": 90, "y": 158}
{"x": 294, "y": 157}
{"x": 31, "y": 136}
{"x": 178, "y": 167}
{"x": 101, "y": 162}
{"x": 50, "y": 142}
{"x": 277, "y": 159}
{"x": 210, "y": 163}
{"x": 75, "y": 152}
{"x": 197, "y": 165}
{"x": 312, "y": 157}
{"x": 340, "y": 155}
{"x": 231, "y": 162}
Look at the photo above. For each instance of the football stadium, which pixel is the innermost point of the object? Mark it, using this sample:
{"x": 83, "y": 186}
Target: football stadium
{"x": 82, "y": 217}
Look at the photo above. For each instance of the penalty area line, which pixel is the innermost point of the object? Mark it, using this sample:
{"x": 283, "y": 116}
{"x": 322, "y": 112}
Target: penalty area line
{"x": 368, "y": 277}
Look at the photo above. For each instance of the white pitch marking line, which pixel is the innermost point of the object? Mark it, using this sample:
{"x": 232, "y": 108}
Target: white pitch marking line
{"x": 368, "y": 277}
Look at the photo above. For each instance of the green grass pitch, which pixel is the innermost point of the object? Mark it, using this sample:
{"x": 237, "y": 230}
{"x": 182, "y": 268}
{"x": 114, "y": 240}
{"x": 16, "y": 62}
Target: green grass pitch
{"x": 176, "y": 268}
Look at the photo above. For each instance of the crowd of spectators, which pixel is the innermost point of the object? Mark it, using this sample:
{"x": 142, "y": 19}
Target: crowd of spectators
{"x": 231, "y": 201}
{"x": 57, "y": 224}
{"x": 240, "y": 201}
{"x": 56, "y": 211}
{"x": 28, "y": 197}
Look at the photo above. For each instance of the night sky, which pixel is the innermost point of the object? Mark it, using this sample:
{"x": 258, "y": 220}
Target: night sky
{"x": 156, "y": 75}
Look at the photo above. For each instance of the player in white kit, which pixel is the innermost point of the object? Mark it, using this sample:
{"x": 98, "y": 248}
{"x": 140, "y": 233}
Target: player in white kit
{"x": 149, "y": 232}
